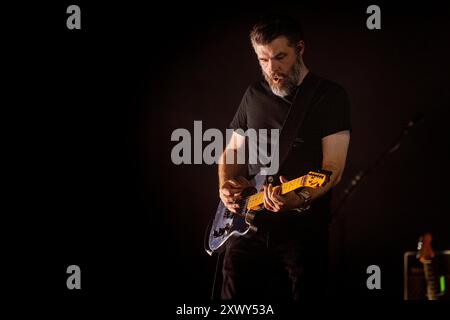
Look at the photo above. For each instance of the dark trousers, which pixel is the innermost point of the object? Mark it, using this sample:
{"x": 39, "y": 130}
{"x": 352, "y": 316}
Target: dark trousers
{"x": 275, "y": 266}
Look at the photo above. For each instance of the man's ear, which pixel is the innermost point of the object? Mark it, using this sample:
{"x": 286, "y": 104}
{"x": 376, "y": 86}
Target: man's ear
{"x": 301, "y": 46}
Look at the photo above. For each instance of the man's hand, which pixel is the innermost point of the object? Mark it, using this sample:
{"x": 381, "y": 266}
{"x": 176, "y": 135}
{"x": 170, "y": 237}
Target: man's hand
{"x": 275, "y": 202}
{"x": 231, "y": 191}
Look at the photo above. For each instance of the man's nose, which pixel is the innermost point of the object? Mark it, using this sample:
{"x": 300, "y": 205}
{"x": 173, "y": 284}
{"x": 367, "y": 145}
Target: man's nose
{"x": 272, "y": 66}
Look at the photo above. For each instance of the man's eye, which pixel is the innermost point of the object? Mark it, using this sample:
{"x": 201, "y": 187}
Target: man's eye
{"x": 263, "y": 60}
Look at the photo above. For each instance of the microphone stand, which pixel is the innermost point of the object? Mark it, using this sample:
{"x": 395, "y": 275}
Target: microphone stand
{"x": 362, "y": 174}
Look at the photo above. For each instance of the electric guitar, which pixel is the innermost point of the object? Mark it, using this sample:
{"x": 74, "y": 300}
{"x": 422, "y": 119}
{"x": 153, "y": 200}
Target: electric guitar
{"x": 227, "y": 224}
{"x": 425, "y": 255}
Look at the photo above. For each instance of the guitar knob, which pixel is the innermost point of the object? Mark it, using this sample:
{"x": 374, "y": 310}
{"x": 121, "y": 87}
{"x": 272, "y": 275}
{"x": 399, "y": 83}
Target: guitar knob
{"x": 219, "y": 233}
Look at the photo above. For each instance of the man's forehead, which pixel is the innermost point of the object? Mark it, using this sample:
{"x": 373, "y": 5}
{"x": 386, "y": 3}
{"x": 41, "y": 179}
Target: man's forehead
{"x": 278, "y": 45}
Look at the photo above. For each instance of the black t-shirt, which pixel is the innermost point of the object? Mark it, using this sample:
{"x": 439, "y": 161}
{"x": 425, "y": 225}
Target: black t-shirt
{"x": 329, "y": 113}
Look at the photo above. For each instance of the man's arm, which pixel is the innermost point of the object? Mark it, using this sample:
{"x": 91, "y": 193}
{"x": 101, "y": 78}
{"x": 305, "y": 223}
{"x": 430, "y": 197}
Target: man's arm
{"x": 334, "y": 153}
{"x": 231, "y": 169}
{"x": 231, "y": 174}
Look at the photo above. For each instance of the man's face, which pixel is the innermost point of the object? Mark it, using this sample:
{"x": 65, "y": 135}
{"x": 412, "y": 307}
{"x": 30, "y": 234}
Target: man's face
{"x": 280, "y": 65}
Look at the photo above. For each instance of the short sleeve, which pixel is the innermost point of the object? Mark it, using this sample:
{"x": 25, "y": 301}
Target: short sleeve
{"x": 336, "y": 115}
{"x": 240, "y": 118}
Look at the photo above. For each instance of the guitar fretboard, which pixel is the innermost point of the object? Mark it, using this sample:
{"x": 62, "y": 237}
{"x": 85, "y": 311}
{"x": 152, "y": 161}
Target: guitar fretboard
{"x": 258, "y": 198}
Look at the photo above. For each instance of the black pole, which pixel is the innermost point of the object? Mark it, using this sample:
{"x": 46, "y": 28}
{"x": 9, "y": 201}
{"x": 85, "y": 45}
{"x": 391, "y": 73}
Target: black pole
{"x": 338, "y": 216}
{"x": 361, "y": 175}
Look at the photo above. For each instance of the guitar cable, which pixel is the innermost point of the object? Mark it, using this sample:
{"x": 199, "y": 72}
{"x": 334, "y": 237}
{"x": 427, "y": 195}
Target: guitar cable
{"x": 215, "y": 276}
{"x": 208, "y": 251}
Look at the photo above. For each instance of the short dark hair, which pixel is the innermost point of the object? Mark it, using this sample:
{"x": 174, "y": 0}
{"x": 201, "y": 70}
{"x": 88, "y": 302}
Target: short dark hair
{"x": 271, "y": 27}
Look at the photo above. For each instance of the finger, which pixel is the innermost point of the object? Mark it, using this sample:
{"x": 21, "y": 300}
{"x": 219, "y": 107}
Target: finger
{"x": 231, "y": 209}
{"x": 237, "y": 196}
{"x": 230, "y": 191}
{"x": 272, "y": 195}
{"x": 276, "y": 207}
{"x": 276, "y": 199}
{"x": 279, "y": 204}
{"x": 244, "y": 182}
{"x": 232, "y": 198}
{"x": 283, "y": 179}
{"x": 267, "y": 190}
{"x": 276, "y": 194}
{"x": 273, "y": 192}
{"x": 230, "y": 203}
{"x": 237, "y": 191}
{"x": 226, "y": 200}
{"x": 231, "y": 195}
{"x": 226, "y": 192}
{"x": 235, "y": 183}
{"x": 276, "y": 190}
{"x": 268, "y": 206}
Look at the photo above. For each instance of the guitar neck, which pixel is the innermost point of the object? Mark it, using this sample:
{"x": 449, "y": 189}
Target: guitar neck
{"x": 425, "y": 255}
{"x": 258, "y": 199}
{"x": 432, "y": 287}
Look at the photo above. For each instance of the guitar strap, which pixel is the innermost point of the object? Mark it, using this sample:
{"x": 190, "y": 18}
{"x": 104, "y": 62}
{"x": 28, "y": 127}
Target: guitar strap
{"x": 296, "y": 115}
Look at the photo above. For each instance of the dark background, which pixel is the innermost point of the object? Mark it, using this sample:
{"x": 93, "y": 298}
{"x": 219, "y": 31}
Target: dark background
{"x": 97, "y": 107}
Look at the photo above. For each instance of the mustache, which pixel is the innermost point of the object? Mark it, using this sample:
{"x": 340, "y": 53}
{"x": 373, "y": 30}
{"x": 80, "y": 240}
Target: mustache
{"x": 278, "y": 75}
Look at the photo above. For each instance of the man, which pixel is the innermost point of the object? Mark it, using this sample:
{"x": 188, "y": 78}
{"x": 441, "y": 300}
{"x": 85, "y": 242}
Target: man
{"x": 286, "y": 258}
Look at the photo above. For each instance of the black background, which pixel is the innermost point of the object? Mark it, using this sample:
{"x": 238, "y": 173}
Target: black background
{"x": 95, "y": 109}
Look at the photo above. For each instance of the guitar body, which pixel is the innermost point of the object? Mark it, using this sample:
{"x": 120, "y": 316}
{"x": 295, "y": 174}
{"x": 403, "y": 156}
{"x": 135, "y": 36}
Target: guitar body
{"x": 227, "y": 224}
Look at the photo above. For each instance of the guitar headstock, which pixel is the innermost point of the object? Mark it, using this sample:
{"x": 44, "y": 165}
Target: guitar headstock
{"x": 319, "y": 178}
{"x": 425, "y": 249}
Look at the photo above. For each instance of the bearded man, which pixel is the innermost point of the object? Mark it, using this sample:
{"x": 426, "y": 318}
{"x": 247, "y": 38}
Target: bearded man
{"x": 287, "y": 257}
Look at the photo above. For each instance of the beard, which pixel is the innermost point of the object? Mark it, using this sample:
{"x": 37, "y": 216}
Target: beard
{"x": 282, "y": 84}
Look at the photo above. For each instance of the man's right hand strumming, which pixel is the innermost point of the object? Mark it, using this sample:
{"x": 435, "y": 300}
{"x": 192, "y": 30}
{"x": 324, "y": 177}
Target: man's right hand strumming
{"x": 231, "y": 190}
